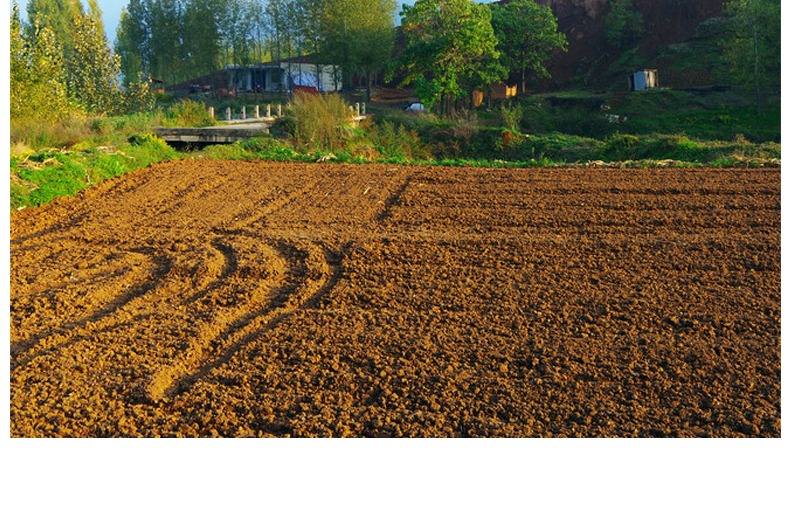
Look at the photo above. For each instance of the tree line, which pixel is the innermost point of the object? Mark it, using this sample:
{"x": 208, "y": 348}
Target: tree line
{"x": 177, "y": 40}
{"x": 62, "y": 61}
{"x": 62, "y": 65}
{"x": 451, "y": 45}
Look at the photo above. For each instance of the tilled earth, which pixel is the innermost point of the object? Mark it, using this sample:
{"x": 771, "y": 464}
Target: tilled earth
{"x": 211, "y": 298}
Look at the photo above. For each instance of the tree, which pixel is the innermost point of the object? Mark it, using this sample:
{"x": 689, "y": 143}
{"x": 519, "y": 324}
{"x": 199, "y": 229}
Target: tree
{"x": 359, "y": 36}
{"x": 279, "y": 14}
{"x": 132, "y": 41}
{"x": 448, "y": 41}
{"x": 59, "y": 16}
{"x": 236, "y": 26}
{"x": 528, "y": 36}
{"x": 164, "y": 24}
{"x": 37, "y": 74}
{"x": 752, "y": 48}
{"x": 94, "y": 72}
{"x": 623, "y": 24}
{"x": 201, "y": 38}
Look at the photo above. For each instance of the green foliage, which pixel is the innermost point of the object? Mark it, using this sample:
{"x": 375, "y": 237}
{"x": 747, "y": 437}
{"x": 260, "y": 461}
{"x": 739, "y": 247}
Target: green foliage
{"x": 39, "y": 177}
{"x": 620, "y": 147}
{"x": 358, "y": 35}
{"x": 38, "y": 91}
{"x": 63, "y": 67}
{"x": 428, "y": 91}
{"x": 178, "y": 40}
{"x": 322, "y": 122}
{"x": 138, "y": 96}
{"x": 511, "y": 114}
{"x": 93, "y": 80}
{"x": 623, "y": 24}
{"x": 752, "y": 48}
{"x": 187, "y": 113}
{"x": 450, "y": 43}
{"x": 528, "y": 36}
{"x": 397, "y": 142}
{"x": 59, "y": 17}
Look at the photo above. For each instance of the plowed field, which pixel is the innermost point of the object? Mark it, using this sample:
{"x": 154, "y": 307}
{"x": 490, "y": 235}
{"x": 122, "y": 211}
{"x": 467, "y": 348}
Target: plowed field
{"x": 211, "y": 298}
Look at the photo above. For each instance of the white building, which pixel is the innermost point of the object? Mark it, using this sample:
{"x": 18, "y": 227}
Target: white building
{"x": 282, "y": 76}
{"x": 642, "y": 80}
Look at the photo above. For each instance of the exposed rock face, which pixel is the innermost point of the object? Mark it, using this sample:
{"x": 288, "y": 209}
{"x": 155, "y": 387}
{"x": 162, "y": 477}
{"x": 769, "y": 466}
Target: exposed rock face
{"x": 666, "y": 22}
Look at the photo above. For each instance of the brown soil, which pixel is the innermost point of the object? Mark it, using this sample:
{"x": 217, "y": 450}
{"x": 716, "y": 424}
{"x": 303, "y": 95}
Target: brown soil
{"x": 210, "y": 298}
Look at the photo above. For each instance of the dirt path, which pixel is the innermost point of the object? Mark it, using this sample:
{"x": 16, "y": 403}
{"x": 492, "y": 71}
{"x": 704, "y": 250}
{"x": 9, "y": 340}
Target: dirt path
{"x": 210, "y": 298}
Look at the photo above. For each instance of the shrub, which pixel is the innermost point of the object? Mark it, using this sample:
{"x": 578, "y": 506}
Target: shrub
{"x": 511, "y": 116}
{"x": 619, "y": 147}
{"x": 321, "y": 122}
{"x": 397, "y": 142}
{"x": 187, "y": 113}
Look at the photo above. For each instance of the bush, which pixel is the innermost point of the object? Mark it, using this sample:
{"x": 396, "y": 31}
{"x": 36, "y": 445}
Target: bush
{"x": 397, "y": 142}
{"x": 38, "y": 134}
{"x": 187, "y": 113}
{"x": 511, "y": 116}
{"x": 620, "y": 147}
{"x": 321, "y": 122}
{"x": 553, "y": 147}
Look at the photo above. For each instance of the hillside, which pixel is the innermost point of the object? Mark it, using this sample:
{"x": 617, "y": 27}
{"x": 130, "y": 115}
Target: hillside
{"x": 679, "y": 39}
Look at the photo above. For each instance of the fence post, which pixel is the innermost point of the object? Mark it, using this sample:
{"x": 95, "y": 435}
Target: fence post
{"x": 268, "y": 110}
{"x": 356, "y": 109}
{"x": 211, "y": 112}
{"x": 257, "y": 112}
{"x": 229, "y": 113}
{"x": 279, "y": 110}
{"x": 363, "y": 108}
{"x": 243, "y": 112}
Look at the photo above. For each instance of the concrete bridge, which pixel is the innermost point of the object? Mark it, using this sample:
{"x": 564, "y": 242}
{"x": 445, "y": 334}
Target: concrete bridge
{"x": 234, "y": 129}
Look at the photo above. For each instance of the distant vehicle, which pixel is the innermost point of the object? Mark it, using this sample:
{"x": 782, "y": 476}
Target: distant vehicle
{"x": 417, "y": 107}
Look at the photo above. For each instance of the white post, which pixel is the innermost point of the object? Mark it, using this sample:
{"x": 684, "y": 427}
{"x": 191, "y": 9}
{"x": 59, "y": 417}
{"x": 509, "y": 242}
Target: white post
{"x": 211, "y": 112}
{"x": 279, "y": 109}
{"x": 229, "y": 113}
{"x": 268, "y": 110}
{"x": 363, "y": 108}
{"x": 243, "y": 112}
{"x": 356, "y": 109}
{"x": 257, "y": 112}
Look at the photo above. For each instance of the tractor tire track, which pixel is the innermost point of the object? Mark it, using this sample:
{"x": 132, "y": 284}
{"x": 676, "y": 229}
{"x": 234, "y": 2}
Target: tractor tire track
{"x": 308, "y": 274}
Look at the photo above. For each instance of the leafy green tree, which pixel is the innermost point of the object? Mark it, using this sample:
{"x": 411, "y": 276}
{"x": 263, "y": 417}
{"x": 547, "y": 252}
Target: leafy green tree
{"x": 528, "y": 36}
{"x": 132, "y": 41}
{"x": 18, "y": 65}
{"x": 236, "y": 27}
{"x": 94, "y": 71}
{"x": 358, "y": 35}
{"x": 752, "y": 49}
{"x": 37, "y": 74}
{"x": 448, "y": 42}
{"x": 281, "y": 20}
{"x": 164, "y": 22}
{"x": 201, "y": 26}
{"x": 623, "y": 24}
{"x": 59, "y": 16}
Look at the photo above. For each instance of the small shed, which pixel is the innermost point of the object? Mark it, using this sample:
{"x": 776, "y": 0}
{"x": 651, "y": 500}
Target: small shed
{"x": 642, "y": 80}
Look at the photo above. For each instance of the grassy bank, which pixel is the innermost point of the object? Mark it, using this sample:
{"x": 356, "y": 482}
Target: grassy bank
{"x": 661, "y": 128}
